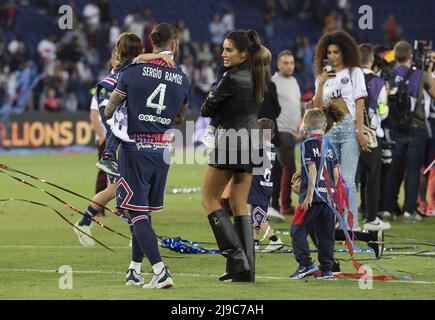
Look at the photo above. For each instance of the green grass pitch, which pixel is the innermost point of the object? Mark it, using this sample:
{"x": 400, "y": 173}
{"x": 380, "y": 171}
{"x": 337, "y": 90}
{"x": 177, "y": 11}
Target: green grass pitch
{"x": 35, "y": 243}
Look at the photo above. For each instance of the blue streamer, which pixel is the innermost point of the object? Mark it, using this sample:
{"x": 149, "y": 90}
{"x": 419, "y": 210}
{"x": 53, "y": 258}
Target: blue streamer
{"x": 328, "y": 201}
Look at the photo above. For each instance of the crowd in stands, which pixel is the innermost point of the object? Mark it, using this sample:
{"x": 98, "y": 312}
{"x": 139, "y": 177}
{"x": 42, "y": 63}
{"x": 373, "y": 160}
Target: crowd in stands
{"x": 72, "y": 61}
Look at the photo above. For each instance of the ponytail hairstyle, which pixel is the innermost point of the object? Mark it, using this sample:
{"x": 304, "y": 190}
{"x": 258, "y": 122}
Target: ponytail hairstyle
{"x": 162, "y": 34}
{"x": 267, "y": 59}
{"x": 249, "y": 42}
{"x": 128, "y": 47}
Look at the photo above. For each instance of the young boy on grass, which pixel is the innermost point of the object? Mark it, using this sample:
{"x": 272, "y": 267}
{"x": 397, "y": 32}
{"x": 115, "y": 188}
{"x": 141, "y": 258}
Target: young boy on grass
{"x": 318, "y": 173}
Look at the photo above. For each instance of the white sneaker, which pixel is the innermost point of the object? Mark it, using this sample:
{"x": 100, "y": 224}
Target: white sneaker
{"x": 83, "y": 238}
{"x": 132, "y": 278}
{"x": 377, "y": 225}
{"x": 161, "y": 281}
{"x": 409, "y": 217}
{"x": 273, "y": 246}
{"x": 386, "y": 215}
{"x": 273, "y": 213}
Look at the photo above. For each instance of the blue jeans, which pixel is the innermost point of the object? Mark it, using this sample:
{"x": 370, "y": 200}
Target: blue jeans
{"x": 408, "y": 149}
{"x": 343, "y": 137}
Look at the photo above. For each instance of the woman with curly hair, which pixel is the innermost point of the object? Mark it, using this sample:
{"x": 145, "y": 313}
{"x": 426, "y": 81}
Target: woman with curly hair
{"x": 343, "y": 84}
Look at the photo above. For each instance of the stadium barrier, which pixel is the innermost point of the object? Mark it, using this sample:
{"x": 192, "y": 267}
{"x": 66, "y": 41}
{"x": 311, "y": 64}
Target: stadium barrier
{"x": 53, "y": 130}
{"x": 47, "y": 130}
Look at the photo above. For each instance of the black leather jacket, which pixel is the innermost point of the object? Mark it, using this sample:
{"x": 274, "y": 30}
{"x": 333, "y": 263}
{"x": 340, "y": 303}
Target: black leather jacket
{"x": 234, "y": 100}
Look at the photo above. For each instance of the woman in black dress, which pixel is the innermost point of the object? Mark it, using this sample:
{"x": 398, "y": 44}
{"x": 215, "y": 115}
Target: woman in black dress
{"x": 237, "y": 99}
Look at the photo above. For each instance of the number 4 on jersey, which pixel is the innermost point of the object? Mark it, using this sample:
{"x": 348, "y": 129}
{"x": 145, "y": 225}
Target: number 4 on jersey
{"x": 160, "y": 90}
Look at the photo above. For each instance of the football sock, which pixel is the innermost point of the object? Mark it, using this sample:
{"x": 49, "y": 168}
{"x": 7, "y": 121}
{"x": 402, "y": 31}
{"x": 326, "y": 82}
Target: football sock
{"x": 145, "y": 236}
{"x": 158, "y": 267}
{"x": 136, "y": 266}
{"x": 90, "y": 213}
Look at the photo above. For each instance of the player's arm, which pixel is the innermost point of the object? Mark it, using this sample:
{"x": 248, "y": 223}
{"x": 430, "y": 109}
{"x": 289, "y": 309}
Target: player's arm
{"x": 312, "y": 172}
{"x": 181, "y": 116}
{"x": 115, "y": 100}
{"x": 155, "y": 56}
{"x": 98, "y": 127}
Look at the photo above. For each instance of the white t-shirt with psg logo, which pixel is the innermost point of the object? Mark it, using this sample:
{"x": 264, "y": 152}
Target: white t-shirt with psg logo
{"x": 350, "y": 87}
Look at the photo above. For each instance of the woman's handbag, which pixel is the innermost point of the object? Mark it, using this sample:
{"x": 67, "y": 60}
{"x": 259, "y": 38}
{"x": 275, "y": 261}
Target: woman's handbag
{"x": 369, "y": 132}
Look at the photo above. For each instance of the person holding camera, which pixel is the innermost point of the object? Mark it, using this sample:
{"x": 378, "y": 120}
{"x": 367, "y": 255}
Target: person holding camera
{"x": 370, "y": 163}
{"x": 407, "y": 123}
{"x": 346, "y": 85}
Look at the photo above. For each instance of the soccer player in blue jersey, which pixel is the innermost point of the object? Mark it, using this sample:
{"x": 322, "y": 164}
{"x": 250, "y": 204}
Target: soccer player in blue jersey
{"x": 127, "y": 48}
{"x": 319, "y": 172}
{"x": 155, "y": 99}
{"x": 127, "y": 45}
{"x": 261, "y": 192}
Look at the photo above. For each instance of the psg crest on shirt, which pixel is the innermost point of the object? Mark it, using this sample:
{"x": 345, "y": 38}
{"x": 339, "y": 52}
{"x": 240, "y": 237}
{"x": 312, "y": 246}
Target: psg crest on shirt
{"x": 345, "y": 80}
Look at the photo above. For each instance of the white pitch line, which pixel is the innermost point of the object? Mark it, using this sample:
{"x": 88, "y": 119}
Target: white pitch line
{"x": 197, "y": 275}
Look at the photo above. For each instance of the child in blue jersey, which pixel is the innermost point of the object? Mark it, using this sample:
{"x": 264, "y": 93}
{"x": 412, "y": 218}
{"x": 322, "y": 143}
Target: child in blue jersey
{"x": 261, "y": 192}
{"x": 319, "y": 173}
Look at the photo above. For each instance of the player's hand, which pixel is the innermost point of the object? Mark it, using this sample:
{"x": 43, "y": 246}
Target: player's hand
{"x": 168, "y": 60}
{"x": 307, "y": 202}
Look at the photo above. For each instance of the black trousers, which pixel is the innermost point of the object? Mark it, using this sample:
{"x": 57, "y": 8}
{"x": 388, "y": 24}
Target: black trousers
{"x": 283, "y": 171}
{"x": 370, "y": 165}
{"x": 320, "y": 219}
{"x": 408, "y": 149}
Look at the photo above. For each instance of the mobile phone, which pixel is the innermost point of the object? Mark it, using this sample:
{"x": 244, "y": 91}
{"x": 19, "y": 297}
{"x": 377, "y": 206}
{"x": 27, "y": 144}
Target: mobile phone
{"x": 328, "y": 65}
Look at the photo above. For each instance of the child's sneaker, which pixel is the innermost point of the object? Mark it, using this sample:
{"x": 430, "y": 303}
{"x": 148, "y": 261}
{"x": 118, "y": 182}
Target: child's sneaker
{"x": 324, "y": 275}
{"x": 303, "y": 272}
{"x": 273, "y": 246}
{"x": 108, "y": 165}
{"x": 83, "y": 238}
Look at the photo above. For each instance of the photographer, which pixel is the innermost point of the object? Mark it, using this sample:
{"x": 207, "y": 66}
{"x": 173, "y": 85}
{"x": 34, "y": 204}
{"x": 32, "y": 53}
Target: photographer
{"x": 409, "y": 139}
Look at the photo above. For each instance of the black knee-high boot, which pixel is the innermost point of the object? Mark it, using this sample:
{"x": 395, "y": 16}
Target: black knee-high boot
{"x": 230, "y": 246}
{"x": 243, "y": 226}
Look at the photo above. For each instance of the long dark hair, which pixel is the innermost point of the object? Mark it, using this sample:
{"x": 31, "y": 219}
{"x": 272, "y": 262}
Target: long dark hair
{"x": 250, "y": 42}
{"x": 347, "y": 45}
{"x": 128, "y": 46}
